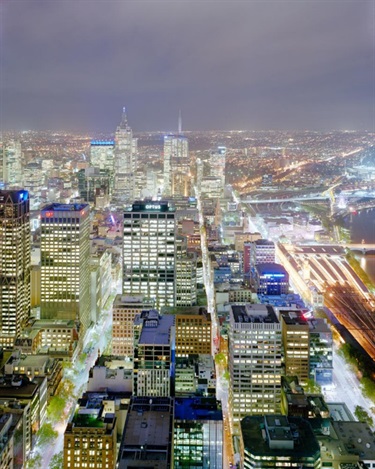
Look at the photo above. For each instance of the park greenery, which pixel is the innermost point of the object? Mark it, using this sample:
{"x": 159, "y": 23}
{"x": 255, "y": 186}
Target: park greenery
{"x": 362, "y": 366}
{"x": 35, "y": 462}
{"x": 355, "y": 265}
{"x": 46, "y": 435}
{"x": 312, "y": 387}
{"x": 55, "y": 409}
{"x": 363, "y": 416}
{"x": 56, "y": 461}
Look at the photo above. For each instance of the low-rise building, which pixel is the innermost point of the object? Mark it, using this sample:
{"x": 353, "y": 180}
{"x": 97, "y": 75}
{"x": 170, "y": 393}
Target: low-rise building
{"x": 36, "y": 365}
{"x": 90, "y": 438}
{"x": 125, "y": 309}
{"x": 27, "y": 393}
{"x": 147, "y": 437}
{"x": 198, "y": 433}
{"x": 277, "y": 441}
{"x": 111, "y": 374}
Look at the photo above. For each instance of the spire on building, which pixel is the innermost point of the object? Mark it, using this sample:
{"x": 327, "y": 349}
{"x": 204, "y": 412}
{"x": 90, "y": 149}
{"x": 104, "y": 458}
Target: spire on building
{"x": 179, "y": 123}
{"x": 124, "y": 119}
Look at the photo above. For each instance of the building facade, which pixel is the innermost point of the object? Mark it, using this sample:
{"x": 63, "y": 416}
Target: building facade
{"x": 149, "y": 252}
{"x": 153, "y": 373}
{"x": 90, "y": 438}
{"x": 176, "y": 165}
{"x": 193, "y": 333}
{"x": 65, "y": 264}
{"x": 15, "y": 259}
{"x": 198, "y": 433}
{"x": 255, "y": 350}
{"x": 296, "y": 343}
{"x": 125, "y": 309}
{"x": 12, "y": 164}
{"x": 125, "y": 161}
{"x": 102, "y": 154}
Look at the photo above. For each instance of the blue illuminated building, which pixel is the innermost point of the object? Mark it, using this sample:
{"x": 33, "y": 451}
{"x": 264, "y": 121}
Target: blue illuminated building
{"x": 271, "y": 279}
{"x": 198, "y": 433}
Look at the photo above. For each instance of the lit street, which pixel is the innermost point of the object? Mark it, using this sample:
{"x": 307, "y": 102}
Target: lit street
{"x": 346, "y": 387}
{"x": 79, "y": 380}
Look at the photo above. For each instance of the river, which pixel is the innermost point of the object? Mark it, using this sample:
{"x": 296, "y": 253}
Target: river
{"x": 362, "y": 228}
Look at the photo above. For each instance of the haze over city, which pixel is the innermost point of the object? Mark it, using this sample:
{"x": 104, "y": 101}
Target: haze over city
{"x": 227, "y": 64}
{"x": 187, "y": 234}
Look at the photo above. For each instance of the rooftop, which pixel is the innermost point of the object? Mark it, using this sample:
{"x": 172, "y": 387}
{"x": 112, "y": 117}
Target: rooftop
{"x": 254, "y": 313}
{"x": 271, "y": 269}
{"x": 293, "y": 317}
{"x": 156, "y": 331}
{"x": 151, "y": 206}
{"x": 264, "y": 242}
{"x": 148, "y": 423}
{"x": 357, "y": 438}
{"x": 197, "y": 408}
{"x": 295, "y": 429}
{"x": 55, "y": 207}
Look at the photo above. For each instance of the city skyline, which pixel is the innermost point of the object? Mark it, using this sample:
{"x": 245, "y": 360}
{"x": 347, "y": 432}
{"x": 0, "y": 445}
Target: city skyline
{"x": 236, "y": 65}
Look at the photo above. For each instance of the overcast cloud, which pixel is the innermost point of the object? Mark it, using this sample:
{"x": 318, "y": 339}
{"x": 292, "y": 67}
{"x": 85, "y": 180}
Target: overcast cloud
{"x": 226, "y": 64}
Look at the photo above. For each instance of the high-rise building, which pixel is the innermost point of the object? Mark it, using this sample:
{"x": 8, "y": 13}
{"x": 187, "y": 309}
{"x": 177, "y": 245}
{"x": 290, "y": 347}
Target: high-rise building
{"x": 125, "y": 309}
{"x": 95, "y": 185}
{"x": 176, "y": 165}
{"x": 198, "y": 433}
{"x": 296, "y": 343}
{"x": 15, "y": 259}
{"x": 186, "y": 275}
{"x": 150, "y": 252}
{"x": 125, "y": 160}
{"x": 12, "y": 163}
{"x": 102, "y": 154}
{"x": 154, "y": 345}
{"x": 217, "y": 164}
{"x": 254, "y": 361}
{"x": 321, "y": 352}
{"x": 65, "y": 264}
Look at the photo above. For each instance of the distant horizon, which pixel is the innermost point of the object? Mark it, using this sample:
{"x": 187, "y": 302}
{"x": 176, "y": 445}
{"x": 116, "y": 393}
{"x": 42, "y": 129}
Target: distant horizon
{"x": 90, "y": 134}
{"x": 275, "y": 65}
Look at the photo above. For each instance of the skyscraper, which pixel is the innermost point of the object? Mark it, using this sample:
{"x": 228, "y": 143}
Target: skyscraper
{"x": 150, "y": 252}
{"x": 102, "y": 154}
{"x": 12, "y": 163}
{"x": 65, "y": 263}
{"x": 176, "y": 164}
{"x": 125, "y": 160}
{"x": 14, "y": 264}
{"x": 254, "y": 361}
{"x": 217, "y": 164}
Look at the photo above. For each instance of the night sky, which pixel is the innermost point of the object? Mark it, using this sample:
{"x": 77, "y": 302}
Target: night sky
{"x": 226, "y": 64}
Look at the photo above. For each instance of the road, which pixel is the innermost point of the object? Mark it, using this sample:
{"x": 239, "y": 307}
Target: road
{"x": 222, "y": 395}
{"x": 346, "y": 386}
{"x": 79, "y": 380}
